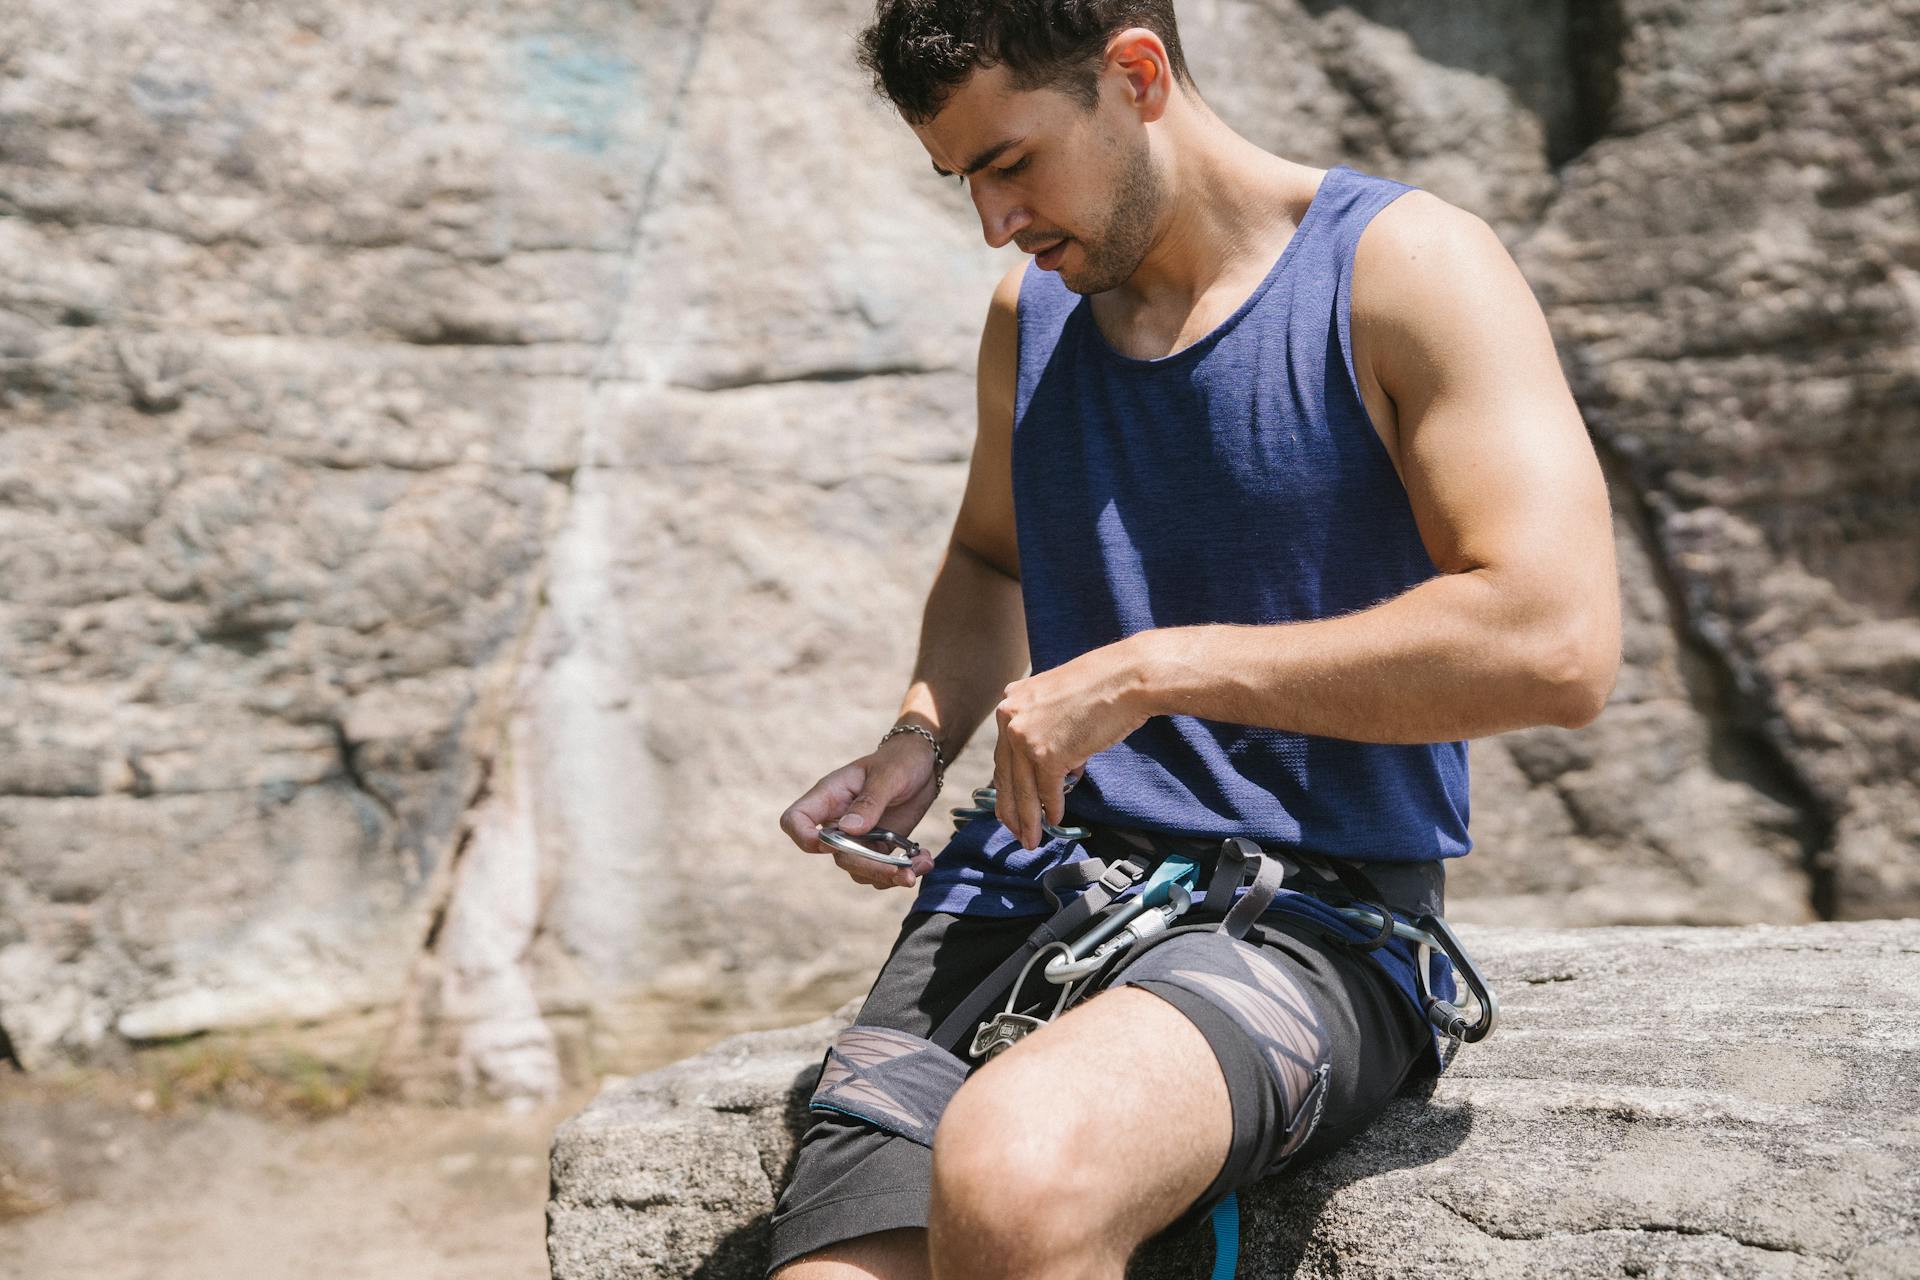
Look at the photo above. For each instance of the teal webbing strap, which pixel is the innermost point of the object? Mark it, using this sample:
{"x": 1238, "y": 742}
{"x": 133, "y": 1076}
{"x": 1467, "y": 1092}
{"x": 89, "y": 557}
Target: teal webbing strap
{"x": 1226, "y": 1238}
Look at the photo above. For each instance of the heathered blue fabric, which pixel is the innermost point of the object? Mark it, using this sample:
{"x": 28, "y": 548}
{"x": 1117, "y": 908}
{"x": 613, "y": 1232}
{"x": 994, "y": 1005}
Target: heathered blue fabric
{"x": 1238, "y": 480}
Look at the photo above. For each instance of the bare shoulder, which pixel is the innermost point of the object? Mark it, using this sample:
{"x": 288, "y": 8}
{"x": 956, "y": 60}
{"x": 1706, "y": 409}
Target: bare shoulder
{"x": 1006, "y": 294}
{"x": 1438, "y": 302}
{"x": 985, "y": 522}
{"x": 1419, "y": 238}
{"x": 1419, "y": 252}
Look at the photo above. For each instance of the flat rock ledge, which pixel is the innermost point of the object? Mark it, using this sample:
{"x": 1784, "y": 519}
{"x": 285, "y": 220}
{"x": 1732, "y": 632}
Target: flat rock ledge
{"x": 1662, "y": 1102}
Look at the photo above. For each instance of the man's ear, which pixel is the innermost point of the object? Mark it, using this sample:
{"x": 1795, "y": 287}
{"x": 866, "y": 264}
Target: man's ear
{"x": 1146, "y": 71}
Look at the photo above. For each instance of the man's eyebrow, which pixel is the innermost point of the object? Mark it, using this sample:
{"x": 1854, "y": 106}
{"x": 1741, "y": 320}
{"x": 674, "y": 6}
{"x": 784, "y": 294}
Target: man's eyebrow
{"x": 984, "y": 159}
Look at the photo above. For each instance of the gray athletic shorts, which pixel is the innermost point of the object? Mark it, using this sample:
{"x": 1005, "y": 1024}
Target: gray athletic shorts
{"x": 851, "y": 1178}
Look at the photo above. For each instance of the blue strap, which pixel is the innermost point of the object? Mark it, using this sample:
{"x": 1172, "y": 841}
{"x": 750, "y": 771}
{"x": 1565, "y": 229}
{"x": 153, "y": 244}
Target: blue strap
{"x": 1226, "y": 1238}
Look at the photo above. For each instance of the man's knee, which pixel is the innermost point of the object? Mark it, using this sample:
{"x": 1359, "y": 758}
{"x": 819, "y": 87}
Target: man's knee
{"x": 1004, "y": 1155}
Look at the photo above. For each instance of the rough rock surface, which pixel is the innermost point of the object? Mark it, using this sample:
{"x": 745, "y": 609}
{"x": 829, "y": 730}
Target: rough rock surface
{"x": 465, "y": 472}
{"x": 1728, "y": 1102}
{"x": 1757, "y": 376}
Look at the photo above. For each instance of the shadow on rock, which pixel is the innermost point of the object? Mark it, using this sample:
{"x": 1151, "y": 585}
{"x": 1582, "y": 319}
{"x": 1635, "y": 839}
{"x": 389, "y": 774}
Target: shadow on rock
{"x": 742, "y": 1253}
{"x": 1278, "y": 1216}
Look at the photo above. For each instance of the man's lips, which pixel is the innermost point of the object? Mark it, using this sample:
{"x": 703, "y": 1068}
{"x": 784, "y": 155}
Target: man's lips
{"x": 1049, "y": 258}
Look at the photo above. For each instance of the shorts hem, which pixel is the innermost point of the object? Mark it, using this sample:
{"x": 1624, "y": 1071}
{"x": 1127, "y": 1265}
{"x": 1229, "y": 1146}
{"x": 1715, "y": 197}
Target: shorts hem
{"x": 817, "y": 1226}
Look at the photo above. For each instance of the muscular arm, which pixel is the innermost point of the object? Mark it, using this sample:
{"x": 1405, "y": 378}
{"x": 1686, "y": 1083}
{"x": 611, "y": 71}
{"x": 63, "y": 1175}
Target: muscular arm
{"x": 1522, "y": 626}
{"x": 973, "y": 637}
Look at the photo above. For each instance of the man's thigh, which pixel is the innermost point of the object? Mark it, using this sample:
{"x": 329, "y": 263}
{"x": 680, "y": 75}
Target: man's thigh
{"x": 899, "y": 1254}
{"x": 1090, "y": 1135}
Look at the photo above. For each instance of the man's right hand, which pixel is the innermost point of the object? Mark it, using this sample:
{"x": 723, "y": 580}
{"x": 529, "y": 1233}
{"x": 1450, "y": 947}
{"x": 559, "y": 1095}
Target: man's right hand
{"x": 891, "y": 788}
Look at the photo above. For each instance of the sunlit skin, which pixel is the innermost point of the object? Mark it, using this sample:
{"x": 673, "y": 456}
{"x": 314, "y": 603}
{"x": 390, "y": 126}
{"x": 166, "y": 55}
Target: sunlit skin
{"x": 1036, "y": 185}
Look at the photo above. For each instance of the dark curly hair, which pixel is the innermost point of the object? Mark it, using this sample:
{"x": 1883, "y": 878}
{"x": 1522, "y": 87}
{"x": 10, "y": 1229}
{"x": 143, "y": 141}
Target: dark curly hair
{"x": 920, "y": 51}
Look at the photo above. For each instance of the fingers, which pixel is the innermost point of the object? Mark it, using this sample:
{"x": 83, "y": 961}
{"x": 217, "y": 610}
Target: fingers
{"x": 892, "y": 782}
{"x": 1053, "y": 799}
{"x": 825, "y": 801}
{"x": 879, "y": 875}
{"x": 1003, "y": 805}
{"x": 862, "y": 812}
{"x": 856, "y": 798}
{"x": 1026, "y": 803}
{"x": 1017, "y": 802}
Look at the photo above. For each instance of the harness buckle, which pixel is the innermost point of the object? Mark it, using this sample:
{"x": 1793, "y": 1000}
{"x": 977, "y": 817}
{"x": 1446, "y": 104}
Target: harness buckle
{"x": 1122, "y": 875}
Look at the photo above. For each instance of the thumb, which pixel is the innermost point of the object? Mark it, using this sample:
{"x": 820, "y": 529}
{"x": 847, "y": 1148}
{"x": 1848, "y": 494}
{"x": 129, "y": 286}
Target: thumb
{"x": 866, "y": 807}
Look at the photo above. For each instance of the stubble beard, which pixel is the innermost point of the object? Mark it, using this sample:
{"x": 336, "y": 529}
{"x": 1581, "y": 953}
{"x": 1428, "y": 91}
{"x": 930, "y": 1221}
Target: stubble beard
{"x": 1115, "y": 254}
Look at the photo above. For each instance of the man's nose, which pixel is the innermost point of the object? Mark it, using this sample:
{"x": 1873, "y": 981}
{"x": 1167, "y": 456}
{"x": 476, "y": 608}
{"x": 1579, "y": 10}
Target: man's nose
{"x": 1000, "y": 215}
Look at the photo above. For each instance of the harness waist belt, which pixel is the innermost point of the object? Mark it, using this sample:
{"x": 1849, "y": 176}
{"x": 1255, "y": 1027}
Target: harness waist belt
{"x": 1413, "y": 889}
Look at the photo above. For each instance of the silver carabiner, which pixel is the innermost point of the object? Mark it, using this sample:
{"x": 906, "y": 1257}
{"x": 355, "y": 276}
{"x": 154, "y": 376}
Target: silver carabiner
{"x": 846, "y": 842}
{"x": 987, "y": 797}
{"x": 1128, "y": 922}
{"x": 1430, "y": 934}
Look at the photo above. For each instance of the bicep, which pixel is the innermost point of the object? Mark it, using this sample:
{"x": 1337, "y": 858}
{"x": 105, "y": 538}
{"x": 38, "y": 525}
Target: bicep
{"x": 1495, "y": 458}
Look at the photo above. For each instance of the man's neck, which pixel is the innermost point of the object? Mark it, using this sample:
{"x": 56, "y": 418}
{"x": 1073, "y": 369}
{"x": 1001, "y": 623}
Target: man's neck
{"x": 1233, "y": 209}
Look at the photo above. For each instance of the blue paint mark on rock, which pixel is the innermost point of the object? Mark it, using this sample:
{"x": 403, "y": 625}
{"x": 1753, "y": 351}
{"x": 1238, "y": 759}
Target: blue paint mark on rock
{"x": 575, "y": 90}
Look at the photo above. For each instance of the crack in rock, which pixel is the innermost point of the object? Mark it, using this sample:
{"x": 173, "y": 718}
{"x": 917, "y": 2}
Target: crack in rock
{"x": 1632, "y": 1228}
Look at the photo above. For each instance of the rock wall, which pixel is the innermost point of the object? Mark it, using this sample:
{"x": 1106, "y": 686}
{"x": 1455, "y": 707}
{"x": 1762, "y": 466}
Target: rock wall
{"x": 1631, "y": 1116}
{"x": 465, "y": 472}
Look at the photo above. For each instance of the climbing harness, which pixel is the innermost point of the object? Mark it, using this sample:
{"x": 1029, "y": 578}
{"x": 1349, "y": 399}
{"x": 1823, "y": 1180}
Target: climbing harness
{"x": 1133, "y": 888}
{"x": 1168, "y": 895}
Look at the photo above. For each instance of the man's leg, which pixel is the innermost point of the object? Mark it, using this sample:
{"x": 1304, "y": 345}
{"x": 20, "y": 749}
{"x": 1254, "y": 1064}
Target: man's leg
{"x": 1104, "y": 1127}
{"x": 1208, "y": 1064}
{"x": 1063, "y": 1154}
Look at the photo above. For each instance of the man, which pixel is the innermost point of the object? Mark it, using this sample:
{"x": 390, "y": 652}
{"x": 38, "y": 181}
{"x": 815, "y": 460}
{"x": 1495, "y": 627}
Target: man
{"x": 1303, "y": 502}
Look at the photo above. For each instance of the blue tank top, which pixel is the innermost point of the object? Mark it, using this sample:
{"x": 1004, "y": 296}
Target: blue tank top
{"x": 1237, "y": 480}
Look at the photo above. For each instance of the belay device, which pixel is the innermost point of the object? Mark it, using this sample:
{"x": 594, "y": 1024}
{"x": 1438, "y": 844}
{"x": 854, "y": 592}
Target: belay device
{"x": 900, "y": 1083}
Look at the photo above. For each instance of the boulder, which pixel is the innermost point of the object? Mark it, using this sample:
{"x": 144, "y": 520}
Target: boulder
{"x": 1723, "y": 1102}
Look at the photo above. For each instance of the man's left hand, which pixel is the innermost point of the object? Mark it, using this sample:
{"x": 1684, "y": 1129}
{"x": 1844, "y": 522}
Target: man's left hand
{"x": 1051, "y": 724}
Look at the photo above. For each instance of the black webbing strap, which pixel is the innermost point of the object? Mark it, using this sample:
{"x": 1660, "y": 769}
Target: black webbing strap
{"x": 1341, "y": 882}
{"x": 1104, "y": 884}
{"x": 1360, "y": 888}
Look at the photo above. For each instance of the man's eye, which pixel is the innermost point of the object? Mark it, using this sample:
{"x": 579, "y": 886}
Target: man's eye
{"x": 960, "y": 179}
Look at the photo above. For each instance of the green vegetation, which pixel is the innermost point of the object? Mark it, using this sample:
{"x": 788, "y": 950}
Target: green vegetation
{"x": 237, "y": 1072}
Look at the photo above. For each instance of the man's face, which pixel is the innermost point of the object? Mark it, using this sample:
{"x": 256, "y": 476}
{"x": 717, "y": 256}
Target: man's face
{"x": 1076, "y": 187}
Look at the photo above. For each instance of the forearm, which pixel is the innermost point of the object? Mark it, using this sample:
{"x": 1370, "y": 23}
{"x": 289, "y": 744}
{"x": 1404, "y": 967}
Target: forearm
{"x": 1442, "y": 661}
{"x": 973, "y": 643}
